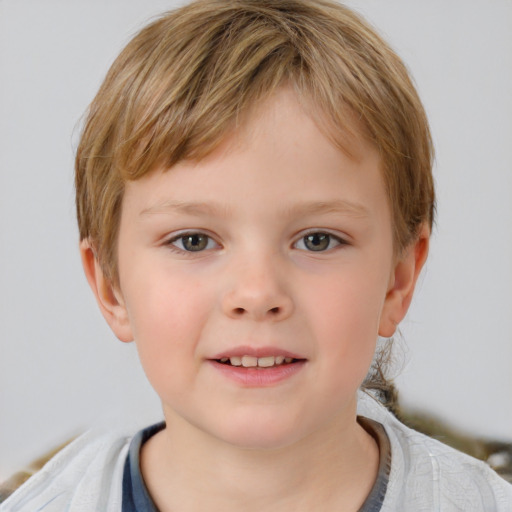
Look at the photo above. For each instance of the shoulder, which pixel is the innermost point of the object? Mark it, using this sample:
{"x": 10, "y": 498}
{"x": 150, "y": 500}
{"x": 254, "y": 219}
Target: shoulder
{"x": 429, "y": 475}
{"x": 86, "y": 475}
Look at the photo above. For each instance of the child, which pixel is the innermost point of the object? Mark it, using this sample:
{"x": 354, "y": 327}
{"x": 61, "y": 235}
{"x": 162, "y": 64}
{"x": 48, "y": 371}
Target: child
{"x": 255, "y": 199}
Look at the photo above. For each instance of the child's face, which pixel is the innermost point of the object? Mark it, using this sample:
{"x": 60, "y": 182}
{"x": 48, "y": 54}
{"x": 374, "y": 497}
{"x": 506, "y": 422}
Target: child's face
{"x": 278, "y": 244}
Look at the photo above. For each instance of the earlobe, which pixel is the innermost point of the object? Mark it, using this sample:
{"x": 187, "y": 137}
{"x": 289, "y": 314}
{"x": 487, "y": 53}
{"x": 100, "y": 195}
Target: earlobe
{"x": 402, "y": 283}
{"x": 109, "y": 299}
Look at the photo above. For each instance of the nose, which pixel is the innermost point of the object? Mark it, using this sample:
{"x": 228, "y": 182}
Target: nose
{"x": 257, "y": 291}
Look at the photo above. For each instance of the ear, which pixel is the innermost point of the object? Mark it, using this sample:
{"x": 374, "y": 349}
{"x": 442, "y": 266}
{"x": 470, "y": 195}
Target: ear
{"x": 108, "y": 297}
{"x": 402, "y": 283}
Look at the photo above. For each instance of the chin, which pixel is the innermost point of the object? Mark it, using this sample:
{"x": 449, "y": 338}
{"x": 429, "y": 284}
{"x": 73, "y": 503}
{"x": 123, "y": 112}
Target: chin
{"x": 261, "y": 434}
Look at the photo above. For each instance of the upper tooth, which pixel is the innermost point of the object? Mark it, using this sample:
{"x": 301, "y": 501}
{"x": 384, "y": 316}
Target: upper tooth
{"x": 249, "y": 361}
{"x": 265, "y": 362}
{"x": 261, "y": 362}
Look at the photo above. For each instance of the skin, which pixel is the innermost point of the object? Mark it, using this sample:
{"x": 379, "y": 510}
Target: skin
{"x": 294, "y": 444}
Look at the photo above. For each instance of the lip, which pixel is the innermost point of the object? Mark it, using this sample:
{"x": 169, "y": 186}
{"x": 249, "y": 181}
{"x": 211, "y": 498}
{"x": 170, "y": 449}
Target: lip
{"x": 241, "y": 350}
{"x": 258, "y": 378}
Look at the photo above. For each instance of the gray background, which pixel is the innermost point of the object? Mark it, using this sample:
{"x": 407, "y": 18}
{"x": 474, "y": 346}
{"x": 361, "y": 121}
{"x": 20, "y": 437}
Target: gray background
{"x": 61, "y": 370}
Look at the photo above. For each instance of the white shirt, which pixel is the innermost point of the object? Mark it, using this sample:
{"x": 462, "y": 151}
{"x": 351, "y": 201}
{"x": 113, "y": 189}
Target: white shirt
{"x": 426, "y": 475}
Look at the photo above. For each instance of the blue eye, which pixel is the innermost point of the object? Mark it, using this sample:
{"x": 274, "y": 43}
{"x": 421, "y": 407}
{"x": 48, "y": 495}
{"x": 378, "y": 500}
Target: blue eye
{"x": 193, "y": 242}
{"x": 318, "y": 242}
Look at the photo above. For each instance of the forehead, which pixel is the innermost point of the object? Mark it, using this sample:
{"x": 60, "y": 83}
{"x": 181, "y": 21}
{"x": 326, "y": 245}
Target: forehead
{"x": 278, "y": 154}
{"x": 346, "y": 132}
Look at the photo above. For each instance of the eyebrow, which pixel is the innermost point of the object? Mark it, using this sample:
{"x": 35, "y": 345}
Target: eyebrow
{"x": 198, "y": 209}
{"x": 192, "y": 208}
{"x": 340, "y": 206}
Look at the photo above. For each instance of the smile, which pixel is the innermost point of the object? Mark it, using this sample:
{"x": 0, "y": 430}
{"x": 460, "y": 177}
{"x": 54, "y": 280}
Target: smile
{"x": 247, "y": 361}
{"x": 258, "y": 367}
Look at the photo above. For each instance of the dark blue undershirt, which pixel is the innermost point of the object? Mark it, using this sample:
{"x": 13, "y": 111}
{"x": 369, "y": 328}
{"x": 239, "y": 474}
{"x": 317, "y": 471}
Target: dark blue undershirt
{"x": 136, "y": 497}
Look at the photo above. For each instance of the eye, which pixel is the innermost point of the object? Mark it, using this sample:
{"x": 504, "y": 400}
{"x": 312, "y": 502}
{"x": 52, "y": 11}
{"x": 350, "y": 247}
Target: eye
{"x": 193, "y": 242}
{"x": 318, "y": 242}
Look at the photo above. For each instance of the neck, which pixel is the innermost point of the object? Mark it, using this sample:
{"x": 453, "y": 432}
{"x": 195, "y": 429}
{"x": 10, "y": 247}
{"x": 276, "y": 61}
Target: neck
{"x": 188, "y": 470}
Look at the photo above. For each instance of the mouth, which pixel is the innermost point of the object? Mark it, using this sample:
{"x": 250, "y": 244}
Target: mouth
{"x": 258, "y": 367}
{"x": 260, "y": 363}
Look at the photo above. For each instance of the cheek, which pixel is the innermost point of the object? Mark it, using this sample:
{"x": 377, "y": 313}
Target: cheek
{"x": 347, "y": 321}
{"x": 351, "y": 304}
{"x": 167, "y": 317}
{"x": 161, "y": 302}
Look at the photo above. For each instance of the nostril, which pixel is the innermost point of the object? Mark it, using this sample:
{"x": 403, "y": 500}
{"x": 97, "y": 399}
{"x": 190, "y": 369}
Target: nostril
{"x": 274, "y": 311}
{"x": 239, "y": 311}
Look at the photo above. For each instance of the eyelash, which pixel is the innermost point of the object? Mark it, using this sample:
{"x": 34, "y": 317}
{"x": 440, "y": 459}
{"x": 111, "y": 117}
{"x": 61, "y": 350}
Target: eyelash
{"x": 317, "y": 238}
{"x": 182, "y": 236}
{"x": 328, "y": 236}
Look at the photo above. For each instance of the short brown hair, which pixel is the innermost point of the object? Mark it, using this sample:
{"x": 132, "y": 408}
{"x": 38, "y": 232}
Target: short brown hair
{"x": 180, "y": 85}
